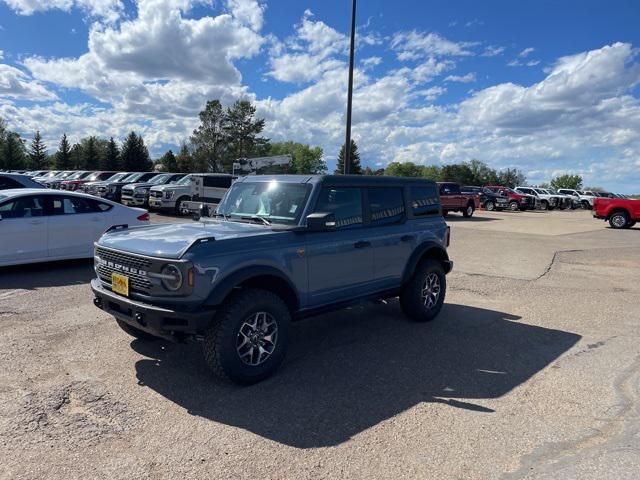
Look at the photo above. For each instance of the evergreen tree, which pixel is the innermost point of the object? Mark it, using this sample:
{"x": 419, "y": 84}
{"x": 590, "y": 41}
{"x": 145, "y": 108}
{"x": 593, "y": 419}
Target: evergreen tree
{"x": 134, "y": 155}
{"x": 13, "y": 152}
{"x": 354, "y": 167}
{"x": 63, "y": 159}
{"x": 111, "y": 159}
{"x": 90, "y": 156}
{"x": 37, "y": 153}
{"x": 169, "y": 162}
{"x": 243, "y": 130}
{"x": 184, "y": 161}
{"x": 75, "y": 155}
{"x": 211, "y": 139}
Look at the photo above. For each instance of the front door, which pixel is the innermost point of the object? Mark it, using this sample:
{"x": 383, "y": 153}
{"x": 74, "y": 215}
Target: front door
{"x": 23, "y": 230}
{"x": 340, "y": 263}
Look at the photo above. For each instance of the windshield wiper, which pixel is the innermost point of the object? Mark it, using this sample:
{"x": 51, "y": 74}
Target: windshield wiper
{"x": 258, "y": 217}
{"x": 216, "y": 215}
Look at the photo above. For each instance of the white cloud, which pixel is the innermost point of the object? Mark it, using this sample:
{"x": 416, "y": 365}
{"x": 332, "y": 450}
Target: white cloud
{"x": 18, "y": 85}
{"x": 109, "y": 10}
{"x": 468, "y": 78}
{"x": 414, "y": 45}
{"x": 367, "y": 63}
{"x": 492, "y": 51}
{"x": 526, "y": 52}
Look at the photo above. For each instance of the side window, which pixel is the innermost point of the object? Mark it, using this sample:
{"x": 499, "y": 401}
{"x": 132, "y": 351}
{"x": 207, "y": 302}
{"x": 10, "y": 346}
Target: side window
{"x": 23, "y": 207}
{"x": 424, "y": 201}
{"x": 72, "y": 205}
{"x": 6, "y": 183}
{"x": 99, "y": 206}
{"x": 344, "y": 203}
{"x": 387, "y": 206}
{"x": 217, "y": 182}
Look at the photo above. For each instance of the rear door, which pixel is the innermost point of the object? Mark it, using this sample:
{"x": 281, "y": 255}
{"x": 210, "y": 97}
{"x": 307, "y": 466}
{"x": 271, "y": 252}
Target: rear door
{"x": 390, "y": 234}
{"x": 214, "y": 188}
{"x": 340, "y": 263}
{"x": 23, "y": 229}
{"x": 73, "y": 226}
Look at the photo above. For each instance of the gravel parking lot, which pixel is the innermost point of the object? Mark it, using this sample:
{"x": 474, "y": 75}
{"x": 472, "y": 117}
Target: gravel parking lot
{"x": 531, "y": 371}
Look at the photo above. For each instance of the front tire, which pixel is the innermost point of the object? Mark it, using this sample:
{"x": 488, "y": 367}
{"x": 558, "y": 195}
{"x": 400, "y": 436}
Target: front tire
{"x": 423, "y": 295}
{"x": 489, "y": 206}
{"x": 619, "y": 220}
{"x": 177, "y": 208}
{"x": 513, "y": 206}
{"x": 248, "y": 338}
{"x": 135, "y": 332}
{"x": 544, "y": 205}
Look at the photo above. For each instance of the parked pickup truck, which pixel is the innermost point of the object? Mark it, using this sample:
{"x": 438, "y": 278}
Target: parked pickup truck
{"x": 281, "y": 248}
{"x": 584, "y": 198}
{"x": 517, "y": 201}
{"x": 454, "y": 200}
{"x": 619, "y": 212}
{"x": 489, "y": 200}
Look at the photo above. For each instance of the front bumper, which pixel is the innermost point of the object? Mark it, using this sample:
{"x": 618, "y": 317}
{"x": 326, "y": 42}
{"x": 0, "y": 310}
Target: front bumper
{"x": 155, "y": 202}
{"x": 133, "y": 201}
{"x": 158, "y": 321}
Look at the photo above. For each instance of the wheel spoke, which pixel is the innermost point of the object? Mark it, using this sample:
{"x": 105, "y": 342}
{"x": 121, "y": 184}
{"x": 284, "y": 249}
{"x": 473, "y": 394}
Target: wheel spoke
{"x": 257, "y": 338}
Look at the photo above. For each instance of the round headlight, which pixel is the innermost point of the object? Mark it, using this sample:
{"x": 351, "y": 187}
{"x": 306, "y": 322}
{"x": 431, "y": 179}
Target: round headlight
{"x": 172, "y": 277}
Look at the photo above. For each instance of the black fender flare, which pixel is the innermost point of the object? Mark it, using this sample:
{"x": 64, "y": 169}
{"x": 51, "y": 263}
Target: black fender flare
{"x": 224, "y": 287}
{"x": 438, "y": 252}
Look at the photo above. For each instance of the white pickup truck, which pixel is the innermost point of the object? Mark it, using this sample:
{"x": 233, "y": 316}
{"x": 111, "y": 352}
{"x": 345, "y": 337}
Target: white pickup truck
{"x": 584, "y": 198}
{"x": 547, "y": 201}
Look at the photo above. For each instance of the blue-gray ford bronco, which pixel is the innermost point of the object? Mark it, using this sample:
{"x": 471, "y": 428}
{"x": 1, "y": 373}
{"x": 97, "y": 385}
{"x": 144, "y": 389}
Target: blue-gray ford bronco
{"x": 278, "y": 248}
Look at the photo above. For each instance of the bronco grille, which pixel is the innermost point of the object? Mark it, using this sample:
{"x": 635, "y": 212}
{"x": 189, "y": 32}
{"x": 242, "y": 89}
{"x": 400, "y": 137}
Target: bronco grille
{"x": 132, "y": 266}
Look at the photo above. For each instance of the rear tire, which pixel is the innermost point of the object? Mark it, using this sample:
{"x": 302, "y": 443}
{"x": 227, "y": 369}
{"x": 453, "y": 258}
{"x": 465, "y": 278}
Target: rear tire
{"x": 423, "y": 295}
{"x": 586, "y": 205}
{"x": 248, "y": 338}
{"x": 619, "y": 220}
{"x": 135, "y": 332}
{"x": 468, "y": 211}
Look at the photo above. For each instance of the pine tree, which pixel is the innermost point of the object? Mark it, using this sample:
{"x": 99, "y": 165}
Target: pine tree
{"x": 37, "y": 153}
{"x": 184, "y": 161}
{"x": 13, "y": 152}
{"x": 90, "y": 153}
{"x": 243, "y": 130}
{"x": 111, "y": 159}
{"x": 354, "y": 160}
{"x": 63, "y": 159}
{"x": 76, "y": 157}
{"x": 169, "y": 162}
{"x": 134, "y": 155}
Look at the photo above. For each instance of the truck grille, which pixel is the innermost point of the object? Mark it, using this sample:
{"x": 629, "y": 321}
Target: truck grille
{"x": 112, "y": 258}
{"x": 127, "y": 192}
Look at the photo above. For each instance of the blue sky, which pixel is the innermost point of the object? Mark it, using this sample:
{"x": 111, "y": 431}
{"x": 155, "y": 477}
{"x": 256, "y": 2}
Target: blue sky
{"x": 549, "y": 87}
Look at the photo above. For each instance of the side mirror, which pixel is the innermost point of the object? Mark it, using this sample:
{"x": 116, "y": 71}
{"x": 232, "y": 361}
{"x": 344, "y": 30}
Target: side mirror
{"x": 321, "y": 222}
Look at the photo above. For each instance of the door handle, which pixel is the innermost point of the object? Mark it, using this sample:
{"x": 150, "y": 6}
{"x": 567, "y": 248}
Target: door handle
{"x": 362, "y": 244}
{"x": 407, "y": 238}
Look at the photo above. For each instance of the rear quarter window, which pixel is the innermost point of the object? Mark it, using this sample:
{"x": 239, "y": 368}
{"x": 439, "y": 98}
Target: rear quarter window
{"x": 387, "y": 205}
{"x": 424, "y": 201}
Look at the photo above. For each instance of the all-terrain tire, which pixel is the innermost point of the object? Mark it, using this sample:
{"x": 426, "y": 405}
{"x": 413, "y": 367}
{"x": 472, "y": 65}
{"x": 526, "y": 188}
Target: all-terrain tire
{"x": 135, "y": 332}
{"x": 220, "y": 346}
{"x": 412, "y": 301}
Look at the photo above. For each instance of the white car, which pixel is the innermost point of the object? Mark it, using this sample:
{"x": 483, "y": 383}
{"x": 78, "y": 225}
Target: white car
{"x": 41, "y": 225}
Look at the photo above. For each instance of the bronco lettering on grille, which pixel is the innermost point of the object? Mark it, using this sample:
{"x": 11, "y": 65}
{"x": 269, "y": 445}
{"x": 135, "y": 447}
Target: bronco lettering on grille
{"x": 121, "y": 268}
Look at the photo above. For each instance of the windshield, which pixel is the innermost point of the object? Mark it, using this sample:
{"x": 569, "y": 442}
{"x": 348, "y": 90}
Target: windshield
{"x": 276, "y": 201}
{"x": 77, "y": 175}
{"x": 184, "y": 181}
{"x": 94, "y": 176}
{"x": 133, "y": 177}
{"x": 118, "y": 176}
{"x": 158, "y": 179}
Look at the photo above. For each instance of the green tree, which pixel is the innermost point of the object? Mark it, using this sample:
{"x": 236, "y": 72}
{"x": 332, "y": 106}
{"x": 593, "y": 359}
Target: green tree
{"x": 63, "y": 160}
{"x": 169, "y": 162}
{"x": 76, "y": 157}
{"x": 355, "y": 167}
{"x": 304, "y": 158}
{"x": 111, "y": 157}
{"x": 403, "y": 169}
{"x": 211, "y": 139}
{"x": 243, "y": 133}
{"x": 511, "y": 177}
{"x": 135, "y": 155}
{"x": 184, "y": 160}
{"x": 567, "y": 181}
{"x": 482, "y": 174}
{"x": 432, "y": 172}
{"x": 37, "y": 153}
{"x": 90, "y": 153}
{"x": 457, "y": 172}
{"x": 14, "y": 155}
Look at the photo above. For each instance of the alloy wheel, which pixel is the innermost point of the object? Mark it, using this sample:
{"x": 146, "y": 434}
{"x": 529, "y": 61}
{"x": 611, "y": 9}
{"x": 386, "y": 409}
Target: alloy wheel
{"x": 430, "y": 290}
{"x": 257, "y": 338}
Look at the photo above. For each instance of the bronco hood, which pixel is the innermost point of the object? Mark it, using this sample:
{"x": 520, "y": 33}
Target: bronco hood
{"x": 173, "y": 240}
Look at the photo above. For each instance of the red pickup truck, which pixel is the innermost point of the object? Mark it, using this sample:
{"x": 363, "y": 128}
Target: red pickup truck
{"x": 453, "y": 200}
{"x": 517, "y": 201}
{"x": 620, "y": 212}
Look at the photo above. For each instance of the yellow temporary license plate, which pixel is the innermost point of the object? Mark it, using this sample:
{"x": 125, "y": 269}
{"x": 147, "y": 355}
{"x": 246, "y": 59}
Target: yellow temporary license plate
{"x": 120, "y": 284}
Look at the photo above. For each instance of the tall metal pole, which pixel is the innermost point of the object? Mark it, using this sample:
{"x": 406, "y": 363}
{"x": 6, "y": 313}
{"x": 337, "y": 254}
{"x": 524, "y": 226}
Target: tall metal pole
{"x": 347, "y": 143}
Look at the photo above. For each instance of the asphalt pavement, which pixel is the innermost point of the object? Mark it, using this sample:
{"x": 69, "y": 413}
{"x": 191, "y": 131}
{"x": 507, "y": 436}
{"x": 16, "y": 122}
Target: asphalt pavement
{"x": 532, "y": 371}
